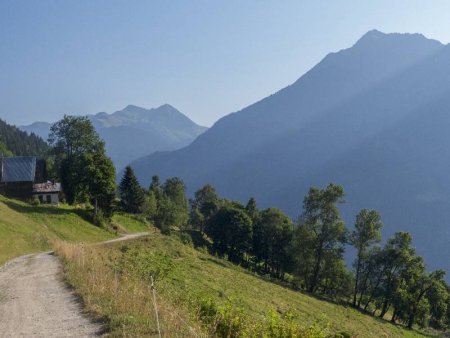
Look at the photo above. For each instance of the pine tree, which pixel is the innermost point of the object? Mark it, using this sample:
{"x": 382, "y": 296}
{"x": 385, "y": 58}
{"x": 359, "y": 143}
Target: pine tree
{"x": 131, "y": 194}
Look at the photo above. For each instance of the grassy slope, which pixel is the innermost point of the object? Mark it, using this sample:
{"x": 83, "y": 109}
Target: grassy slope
{"x": 185, "y": 275}
{"x": 19, "y": 234}
{"x": 26, "y": 229}
{"x": 129, "y": 223}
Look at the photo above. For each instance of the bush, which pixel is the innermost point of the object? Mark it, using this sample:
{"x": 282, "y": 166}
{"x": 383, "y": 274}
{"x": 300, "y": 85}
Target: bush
{"x": 99, "y": 219}
{"x": 35, "y": 201}
{"x": 185, "y": 238}
{"x": 225, "y": 321}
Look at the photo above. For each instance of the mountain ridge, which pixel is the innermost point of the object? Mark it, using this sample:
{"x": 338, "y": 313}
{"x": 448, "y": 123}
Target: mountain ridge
{"x": 252, "y": 115}
{"x": 135, "y": 131}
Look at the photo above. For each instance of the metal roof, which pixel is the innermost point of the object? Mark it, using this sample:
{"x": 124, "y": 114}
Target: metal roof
{"x": 18, "y": 169}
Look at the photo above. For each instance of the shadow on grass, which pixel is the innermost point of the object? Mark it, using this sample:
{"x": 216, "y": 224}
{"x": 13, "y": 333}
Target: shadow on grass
{"x": 25, "y": 208}
{"x": 218, "y": 262}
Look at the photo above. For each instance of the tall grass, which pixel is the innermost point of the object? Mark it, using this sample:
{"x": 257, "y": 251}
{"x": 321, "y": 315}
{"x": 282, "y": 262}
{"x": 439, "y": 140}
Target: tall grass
{"x": 114, "y": 283}
{"x": 122, "y": 301}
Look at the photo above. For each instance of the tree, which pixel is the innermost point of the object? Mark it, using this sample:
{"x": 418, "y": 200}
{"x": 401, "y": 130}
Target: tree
{"x": 74, "y": 135}
{"x": 367, "y": 233}
{"x": 155, "y": 186}
{"x": 100, "y": 182}
{"x": 370, "y": 276}
{"x": 422, "y": 284}
{"x": 165, "y": 216}
{"x": 231, "y": 231}
{"x": 175, "y": 190}
{"x": 132, "y": 196}
{"x": 172, "y": 206}
{"x": 323, "y": 227}
{"x": 272, "y": 234}
{"x": 150, "y": 206}
{"x": 396, "y": 257}
{"x": 86, "y": 173}
{"x": 439, "y": 299}
{"x": 252, "y": 210}
{"x": 203, "y": 206}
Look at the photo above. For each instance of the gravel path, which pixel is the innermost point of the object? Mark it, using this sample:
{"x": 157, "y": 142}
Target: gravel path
{"x": 35, "y": 302}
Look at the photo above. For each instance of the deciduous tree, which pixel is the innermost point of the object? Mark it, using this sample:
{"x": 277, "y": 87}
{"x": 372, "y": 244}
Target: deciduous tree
{"x": 366, "y": 234}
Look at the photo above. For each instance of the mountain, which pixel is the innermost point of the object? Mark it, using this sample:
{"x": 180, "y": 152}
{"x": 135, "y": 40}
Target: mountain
{"x": 16, "y": 142}
{"x": 135, "y": 132}
{"x": 41, "y": 129}
{"x": 371, "y": 117}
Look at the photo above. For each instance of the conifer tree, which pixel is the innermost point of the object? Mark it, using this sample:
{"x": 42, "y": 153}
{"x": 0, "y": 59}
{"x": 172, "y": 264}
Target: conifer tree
{"x": 131, "y": 194}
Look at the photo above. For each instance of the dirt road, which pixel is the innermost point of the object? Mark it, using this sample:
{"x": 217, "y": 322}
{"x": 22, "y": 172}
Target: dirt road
{"x": 35, "y": 302}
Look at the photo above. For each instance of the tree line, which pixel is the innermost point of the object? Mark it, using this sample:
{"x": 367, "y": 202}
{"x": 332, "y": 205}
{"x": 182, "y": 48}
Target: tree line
{"x": 307, "y": 254}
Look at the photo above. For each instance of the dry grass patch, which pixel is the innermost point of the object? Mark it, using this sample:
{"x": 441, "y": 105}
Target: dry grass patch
{"x": 117, "y": 297}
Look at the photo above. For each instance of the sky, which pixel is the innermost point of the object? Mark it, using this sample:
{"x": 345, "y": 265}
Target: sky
{"x": 206, "y": 58}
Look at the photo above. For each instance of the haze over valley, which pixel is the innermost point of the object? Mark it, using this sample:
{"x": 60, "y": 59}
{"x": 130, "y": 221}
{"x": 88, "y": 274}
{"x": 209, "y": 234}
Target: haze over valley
{"x": 225, "y": 169}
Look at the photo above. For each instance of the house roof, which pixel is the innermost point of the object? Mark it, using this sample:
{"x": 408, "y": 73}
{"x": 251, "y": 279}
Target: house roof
{"x": 48, "y": 187}
{"x": 18, "y": 169}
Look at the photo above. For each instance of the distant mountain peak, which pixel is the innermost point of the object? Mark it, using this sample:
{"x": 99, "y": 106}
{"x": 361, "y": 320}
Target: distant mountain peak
{"x": 374, "y": 33}
{"x": 132, "y": 107}
{"x": 163, "y": 107}
{"x": 167, "y": 106}
{"x": 375, "y": 36}
{"x": 135, "y": 131}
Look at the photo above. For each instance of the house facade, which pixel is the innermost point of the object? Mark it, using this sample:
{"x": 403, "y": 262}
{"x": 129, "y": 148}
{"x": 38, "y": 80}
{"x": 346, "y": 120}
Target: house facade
{"x": 25, "y": 178}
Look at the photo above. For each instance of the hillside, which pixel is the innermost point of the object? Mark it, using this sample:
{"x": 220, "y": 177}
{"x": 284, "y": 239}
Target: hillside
{"x": 192, "y": 286}
{"x": 196, "y": 293}
{"x": 134, "y": 132}
{"x": 16, "y": 142}
{"x": 26, "y": 229}
{"x": 339, "y": 122}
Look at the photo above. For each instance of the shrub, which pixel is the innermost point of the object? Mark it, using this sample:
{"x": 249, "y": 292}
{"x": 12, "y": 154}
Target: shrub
{"x": 226, "y": 321}
{"x": 35, "y": 201}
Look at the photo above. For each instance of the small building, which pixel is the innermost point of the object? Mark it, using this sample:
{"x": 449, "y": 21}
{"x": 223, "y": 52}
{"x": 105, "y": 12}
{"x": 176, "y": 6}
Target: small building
{"x": 47, "y": 192}
{"x": 25, "y": 178}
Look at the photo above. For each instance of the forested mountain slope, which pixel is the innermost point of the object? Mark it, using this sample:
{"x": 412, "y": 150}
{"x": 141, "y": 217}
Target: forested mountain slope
{"x": 357, "y": 119}
{"x": 16, "y": 142}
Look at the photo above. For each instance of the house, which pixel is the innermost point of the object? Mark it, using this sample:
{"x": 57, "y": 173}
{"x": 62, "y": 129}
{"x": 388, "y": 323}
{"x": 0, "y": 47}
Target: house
{"x": 25, "y": 178}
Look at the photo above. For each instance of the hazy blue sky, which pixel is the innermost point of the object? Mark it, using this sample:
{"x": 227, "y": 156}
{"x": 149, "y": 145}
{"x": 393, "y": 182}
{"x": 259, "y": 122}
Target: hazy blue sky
{"x": 206, "y": 58}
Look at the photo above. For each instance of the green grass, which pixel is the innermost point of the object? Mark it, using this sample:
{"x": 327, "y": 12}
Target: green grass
{"x": 130, "y": 223}
{"x": 19, "y": 234}
{"x": 25, "y": 228}
{"x": 186, "y": 277}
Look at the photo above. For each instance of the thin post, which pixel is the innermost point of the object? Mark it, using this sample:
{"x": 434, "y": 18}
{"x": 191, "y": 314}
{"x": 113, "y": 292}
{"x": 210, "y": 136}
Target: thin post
{"x": 116, "y": 281}
{"x": 152, "y": 286}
